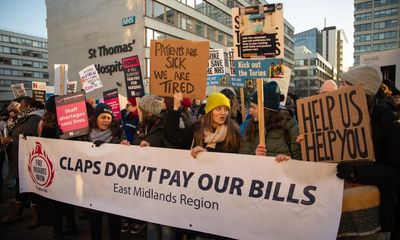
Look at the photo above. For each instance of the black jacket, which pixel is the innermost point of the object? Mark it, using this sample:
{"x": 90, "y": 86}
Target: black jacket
{"x": 385, "y": 173}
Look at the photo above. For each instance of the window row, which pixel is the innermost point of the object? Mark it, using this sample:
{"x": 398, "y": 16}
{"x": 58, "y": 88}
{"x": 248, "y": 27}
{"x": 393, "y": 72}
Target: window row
{"x": 8, "y": 83}
{"x": 363, "y": 6}
{"x": 23, "y": 52}
{"x": 386, "y": 13}
{"x": 362, "y": 48}
{"x": 362, "y": 38}
{"x": 384, "y": 46}
{"x": 362, "y": 27}
{"x": 23, "y": 41}
{"x": 363, "y": 16}
{"x": 210, "y": 11}
{"x": 24, "y": 63}
{"x": 385, "y": 24}
{"x": 385, "y": 35}
{"x": 380, "y": 3}
{"x": 23, "y": 73}
{"x": 187, "y": 23}
{"x": 230, "y": 3}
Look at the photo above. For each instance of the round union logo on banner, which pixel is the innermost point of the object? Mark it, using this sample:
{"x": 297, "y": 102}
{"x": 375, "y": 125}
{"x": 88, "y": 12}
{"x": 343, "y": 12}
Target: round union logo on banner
{"x": 40, "y": 167}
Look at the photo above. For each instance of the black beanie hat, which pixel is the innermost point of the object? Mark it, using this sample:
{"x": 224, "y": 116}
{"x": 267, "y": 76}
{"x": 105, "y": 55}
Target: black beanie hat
{"x": 272, "y": 96}
{"x": 102, "y": 108}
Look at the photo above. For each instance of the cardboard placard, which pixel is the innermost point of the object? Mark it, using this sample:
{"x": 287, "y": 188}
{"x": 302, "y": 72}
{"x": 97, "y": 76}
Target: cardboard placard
{"x": 18, "y": 90}
{"x": 72, "y": 86}
{"x": 71, "y": 115}
{"x": 111, "y": 99}
{"x": 261, "y": 31}
{"x": 90, "y": 78}
{"x": 133, "y": 77}
{"x": 179, "y": 66}
{"x": 231, "y": 63}
{"x": 60, "y": 79}
{"x": 39, "y": 91}
{"x": 336, "y": 126}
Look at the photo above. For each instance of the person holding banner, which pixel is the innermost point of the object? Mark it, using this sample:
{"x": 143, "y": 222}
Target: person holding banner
{"x": 52, "y": 212}
{"x": 104, "y": 129}
{"x": 385, "y": 171}
{"x": 215, "y": 132}
{"x": 281, "y": 130}
{"x": 30, "y": 114}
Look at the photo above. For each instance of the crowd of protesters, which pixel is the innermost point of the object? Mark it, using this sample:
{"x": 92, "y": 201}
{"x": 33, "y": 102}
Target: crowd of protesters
{"x": 371, "y": 208}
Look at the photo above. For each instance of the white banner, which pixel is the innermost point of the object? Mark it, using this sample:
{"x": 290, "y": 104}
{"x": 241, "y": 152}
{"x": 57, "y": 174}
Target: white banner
{"x": 233, "y": 195}
{"x": 90, "y": 78}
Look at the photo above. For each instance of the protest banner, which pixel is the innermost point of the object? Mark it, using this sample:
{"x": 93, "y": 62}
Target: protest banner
{"x": 71, "y": 115}
{"x": 178, "y": 66}
{"x": 18, "y": 90}
{"x": 260, "y": 197}
{"x": 90, "y": 78}
{"x": 72, "y": 86}
{"x": 39, "y": 91}
{"x": 261, "y": 31}
{"x": 133, "y": 77}
{"x": 60, "y": 79}
{"x": 111, "y": 98}
{"x": 231, "y": 63}
{"x": 336, "y": 126}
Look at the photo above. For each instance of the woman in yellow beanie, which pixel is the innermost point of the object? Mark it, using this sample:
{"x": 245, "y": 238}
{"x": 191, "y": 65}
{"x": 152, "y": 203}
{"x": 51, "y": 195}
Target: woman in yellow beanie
{"x": 214, "y": 132}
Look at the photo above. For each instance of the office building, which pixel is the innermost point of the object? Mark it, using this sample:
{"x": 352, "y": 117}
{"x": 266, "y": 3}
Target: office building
{"x": 23, "y": 59}
{"x": 87, "y": 32}
{"x": 376, "y": 26}
{"x": 311, "y": 39}
{"x": 311, "y": 70}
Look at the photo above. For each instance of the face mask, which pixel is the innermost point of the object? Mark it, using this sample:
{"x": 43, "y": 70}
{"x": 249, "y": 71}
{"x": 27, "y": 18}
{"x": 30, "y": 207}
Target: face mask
{"x": 257, "y": 27}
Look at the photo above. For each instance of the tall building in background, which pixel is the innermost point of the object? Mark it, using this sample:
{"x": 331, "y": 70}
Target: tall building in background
{"x": 311, "y": 70}
{"x": 311, "y": 39}
{"x": 376, "y": 26}
{"x": 23, "y": 59}
{"x": 86, "y": 32}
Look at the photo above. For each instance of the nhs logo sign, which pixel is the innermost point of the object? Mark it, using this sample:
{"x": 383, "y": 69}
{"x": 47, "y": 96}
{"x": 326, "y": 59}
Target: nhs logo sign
{"x": 128, "y": 20}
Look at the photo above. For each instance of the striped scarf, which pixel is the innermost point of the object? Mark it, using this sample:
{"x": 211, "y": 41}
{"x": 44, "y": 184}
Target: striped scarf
{"x": 97, "y": 134}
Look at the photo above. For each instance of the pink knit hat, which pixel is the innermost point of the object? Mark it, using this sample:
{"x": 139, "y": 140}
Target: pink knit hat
{"x": 328, "y": 86}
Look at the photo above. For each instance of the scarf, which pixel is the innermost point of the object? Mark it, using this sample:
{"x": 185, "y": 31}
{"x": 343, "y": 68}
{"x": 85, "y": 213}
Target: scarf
{"x": 211, "y": 139}
{"x": 97, "y": 134}
{"x": 22, "y": 115}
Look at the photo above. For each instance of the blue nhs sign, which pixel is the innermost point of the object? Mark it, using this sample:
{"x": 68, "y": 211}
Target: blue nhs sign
{"x": 128, "y": 20}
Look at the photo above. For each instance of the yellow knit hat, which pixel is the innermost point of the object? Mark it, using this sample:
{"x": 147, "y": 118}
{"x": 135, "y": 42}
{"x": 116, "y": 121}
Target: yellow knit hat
{"x": 216, "y": 99}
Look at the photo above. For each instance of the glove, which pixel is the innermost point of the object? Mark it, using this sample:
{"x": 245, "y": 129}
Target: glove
{"x": 97, "y": 143}
{"x": 346, "y": 171}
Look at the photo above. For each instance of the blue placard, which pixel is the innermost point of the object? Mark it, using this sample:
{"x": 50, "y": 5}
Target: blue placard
{"x": 253, "y": 69}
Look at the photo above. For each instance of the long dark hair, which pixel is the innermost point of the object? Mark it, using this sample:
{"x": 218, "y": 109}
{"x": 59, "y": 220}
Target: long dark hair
{"x": 232, "y": 141}
{"x": 273, "y": 120}
{"x": 114, "y": 126}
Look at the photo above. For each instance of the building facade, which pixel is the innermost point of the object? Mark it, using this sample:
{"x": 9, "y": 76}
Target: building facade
{"x": 311, "y": 39}
{"x": 23, "y": 59}
{"x": 311, "y": 70}
{"x": 376, "y": 26}
{"x": 88, "y": 32}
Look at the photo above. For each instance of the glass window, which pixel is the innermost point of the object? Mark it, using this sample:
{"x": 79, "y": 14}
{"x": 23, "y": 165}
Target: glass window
{"x": 221, "y": 37}
{"x": 6, "y": 50}
{"x": 158, "y": 11}
{"x": 149, "y": 36}
{"x": 159, "y": 35}
{"x": 200, "y": 28}
{"x": 211, "y": 33}
{"x": 172, "y": 16}
{"x": 149, "y": 8}
{"x": 15, "y": 62}
{"x": 6, "y": 38}
{"x": 190, "y": 3}
{"x": 14, "y": 40}
{"x": 379, "y": 3}
{"x": 362, "y": 6}
{"x": 36, "y": 64}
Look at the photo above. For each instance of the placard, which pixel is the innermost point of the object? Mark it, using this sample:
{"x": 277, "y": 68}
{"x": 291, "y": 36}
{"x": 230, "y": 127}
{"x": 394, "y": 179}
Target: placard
{"x": 72, "y": 86}
{"x": 179, "y": 66}
{"x": 39, "y": 91}
{"x": 90, "y": 78}
{"x": 71, "y": 115}
{"x": 18, "y": 90}
{"x": 261, "y": 31}
{"x": 111, "y": 99}
{"x": 133, "y": 77}
{"x": 336, "y": 126}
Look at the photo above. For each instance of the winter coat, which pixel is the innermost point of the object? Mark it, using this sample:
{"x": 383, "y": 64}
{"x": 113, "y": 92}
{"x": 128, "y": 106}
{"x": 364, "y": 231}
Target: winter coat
{"x": 385, "y": 173}
{"x": 277, "y": 141}
{"x": 184, "y": 138}
{"x": 27, "y": 127}
{"x": 152, "y": 134}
